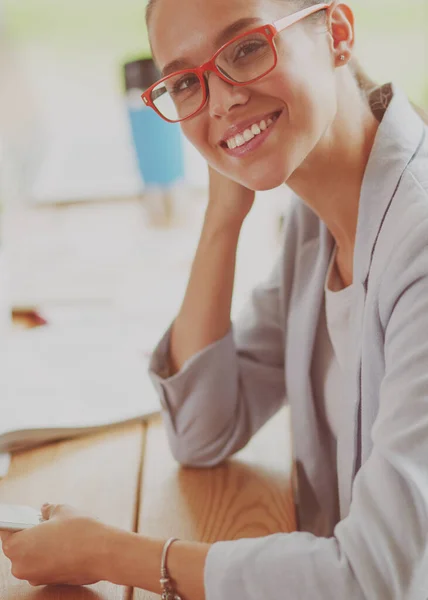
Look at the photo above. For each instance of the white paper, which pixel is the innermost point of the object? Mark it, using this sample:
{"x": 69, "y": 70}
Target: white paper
{"x": 55, "y": 377}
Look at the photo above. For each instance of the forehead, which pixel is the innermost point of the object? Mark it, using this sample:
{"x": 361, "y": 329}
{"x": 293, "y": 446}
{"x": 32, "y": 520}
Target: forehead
{"x": 188, "y": 28}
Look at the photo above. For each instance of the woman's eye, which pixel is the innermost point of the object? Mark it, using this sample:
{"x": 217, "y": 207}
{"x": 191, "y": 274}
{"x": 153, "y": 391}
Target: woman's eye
{"x": 249, "y": 48}
{"x": 185, "y": 84}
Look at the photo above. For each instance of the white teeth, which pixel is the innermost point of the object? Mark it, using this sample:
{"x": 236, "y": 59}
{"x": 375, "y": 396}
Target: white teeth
{"x": 248, "y": 134}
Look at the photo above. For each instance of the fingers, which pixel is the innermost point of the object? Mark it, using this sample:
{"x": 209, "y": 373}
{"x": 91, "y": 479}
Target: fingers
{"x": 53, "y": 511}
{"x": 47, "y": 510}
{"x": 50, "y": 511}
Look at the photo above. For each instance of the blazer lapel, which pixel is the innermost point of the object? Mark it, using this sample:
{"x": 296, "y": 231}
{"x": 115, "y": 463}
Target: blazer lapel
{"x": 400, "y": 134}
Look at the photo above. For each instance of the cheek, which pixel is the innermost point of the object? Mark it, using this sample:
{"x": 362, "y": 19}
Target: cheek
{"x": 309, "y": 96}
{"x": 306, "y": 78}
{"x": 197, "y": 132}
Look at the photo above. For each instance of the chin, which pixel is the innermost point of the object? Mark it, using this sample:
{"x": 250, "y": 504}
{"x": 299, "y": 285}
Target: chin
{"x": 260, "y": 181}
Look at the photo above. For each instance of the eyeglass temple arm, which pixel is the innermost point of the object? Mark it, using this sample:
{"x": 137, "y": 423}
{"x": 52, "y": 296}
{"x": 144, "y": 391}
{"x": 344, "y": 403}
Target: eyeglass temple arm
{"x": 291, "y": 19}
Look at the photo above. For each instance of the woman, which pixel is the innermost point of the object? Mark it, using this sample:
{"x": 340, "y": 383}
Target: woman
{"x": 340, "y": 328}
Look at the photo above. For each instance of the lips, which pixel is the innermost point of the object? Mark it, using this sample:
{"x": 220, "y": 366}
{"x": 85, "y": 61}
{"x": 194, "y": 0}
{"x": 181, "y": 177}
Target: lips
{"x": 239, "y": 128}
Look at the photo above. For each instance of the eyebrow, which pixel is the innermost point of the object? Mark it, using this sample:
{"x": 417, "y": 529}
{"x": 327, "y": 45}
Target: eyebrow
{"x": 224, "y": 36}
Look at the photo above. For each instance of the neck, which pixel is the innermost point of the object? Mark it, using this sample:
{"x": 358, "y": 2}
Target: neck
{"x": 330, "y": 179}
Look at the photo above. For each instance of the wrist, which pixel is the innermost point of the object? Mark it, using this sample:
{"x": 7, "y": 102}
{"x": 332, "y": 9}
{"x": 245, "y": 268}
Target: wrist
{"x": 223, "y": 223}
{"x": 132, "y": 560}
{"x": 225, "y": 216}
{"x": 105, "y": 559}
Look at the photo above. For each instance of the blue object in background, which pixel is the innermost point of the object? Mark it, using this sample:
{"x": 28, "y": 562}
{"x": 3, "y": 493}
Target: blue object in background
{"x": 158, "y": 146}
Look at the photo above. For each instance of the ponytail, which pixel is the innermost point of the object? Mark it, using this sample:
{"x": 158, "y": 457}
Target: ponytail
{"x": 367, "y": 85}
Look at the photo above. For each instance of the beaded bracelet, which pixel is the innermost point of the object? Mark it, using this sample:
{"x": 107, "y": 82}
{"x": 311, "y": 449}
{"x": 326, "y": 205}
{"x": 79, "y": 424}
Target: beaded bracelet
{"x": 168, "y": 592}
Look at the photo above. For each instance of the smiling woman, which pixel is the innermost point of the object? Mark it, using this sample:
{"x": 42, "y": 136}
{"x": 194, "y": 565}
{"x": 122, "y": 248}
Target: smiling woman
{"x": 266, "y": 92}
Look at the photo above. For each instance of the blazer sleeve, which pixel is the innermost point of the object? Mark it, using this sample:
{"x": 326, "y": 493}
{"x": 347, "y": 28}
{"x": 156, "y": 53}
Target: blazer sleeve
{"x": 380, "y": 550}
{"x": 226, "y": 392}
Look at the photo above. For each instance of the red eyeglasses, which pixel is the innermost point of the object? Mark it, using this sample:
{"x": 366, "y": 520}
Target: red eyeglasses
{"x": 245, "y": 59}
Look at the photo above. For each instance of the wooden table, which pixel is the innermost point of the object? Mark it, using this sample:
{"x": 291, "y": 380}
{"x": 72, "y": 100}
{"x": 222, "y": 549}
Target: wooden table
{"x": 128, "y": 478}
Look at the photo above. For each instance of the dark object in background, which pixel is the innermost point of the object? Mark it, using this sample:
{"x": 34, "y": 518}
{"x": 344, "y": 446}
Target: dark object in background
{"x": 27, "y": 318}
{"x": 141, "y": 74}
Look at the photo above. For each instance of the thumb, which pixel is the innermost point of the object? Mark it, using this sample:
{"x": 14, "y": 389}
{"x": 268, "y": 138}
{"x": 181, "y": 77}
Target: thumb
{"x": 47, "y": 510}
{"x": 5, "y": 535}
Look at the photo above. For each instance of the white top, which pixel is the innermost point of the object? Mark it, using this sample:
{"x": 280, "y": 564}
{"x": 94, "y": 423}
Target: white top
{"x": 331, "y": 346}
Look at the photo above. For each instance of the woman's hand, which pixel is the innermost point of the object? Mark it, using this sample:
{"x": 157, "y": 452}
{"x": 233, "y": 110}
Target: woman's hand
{"x": 65, "y": 549}
{"x": 229, "y": 200}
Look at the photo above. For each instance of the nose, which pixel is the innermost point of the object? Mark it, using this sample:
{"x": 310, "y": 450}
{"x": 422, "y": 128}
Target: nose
{"x": 224, "y": 96}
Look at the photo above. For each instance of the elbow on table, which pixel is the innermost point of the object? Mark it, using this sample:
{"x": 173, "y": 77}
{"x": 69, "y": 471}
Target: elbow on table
{"x": 198, "y": 443}
{"x": 208, "y": 455}
{"x": 201, "y": 458}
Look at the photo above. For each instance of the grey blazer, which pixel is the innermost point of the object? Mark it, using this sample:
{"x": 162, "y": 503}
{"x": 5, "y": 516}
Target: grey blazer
{"x": 363, "y": 498}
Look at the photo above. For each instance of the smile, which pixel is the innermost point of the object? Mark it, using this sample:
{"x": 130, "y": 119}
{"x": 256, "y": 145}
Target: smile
{"x": 248, "y": 134}
{"x": 251, "y": 137}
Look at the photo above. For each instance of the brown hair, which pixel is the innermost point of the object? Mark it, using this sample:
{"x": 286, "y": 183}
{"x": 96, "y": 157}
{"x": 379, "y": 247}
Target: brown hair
{"x": 302, "y": 3}
{"x": 367, "y": 85}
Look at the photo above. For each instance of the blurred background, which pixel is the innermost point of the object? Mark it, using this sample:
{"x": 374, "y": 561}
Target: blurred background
{"x": 86, "y": 239}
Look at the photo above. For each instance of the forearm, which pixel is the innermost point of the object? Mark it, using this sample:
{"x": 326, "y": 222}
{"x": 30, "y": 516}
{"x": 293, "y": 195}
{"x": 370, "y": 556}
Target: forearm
{"x": 134, "y": 560}
{"x": 204, "y": 317}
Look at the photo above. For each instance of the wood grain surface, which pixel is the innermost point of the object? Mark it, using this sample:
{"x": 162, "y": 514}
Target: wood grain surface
{"x": 98, "y": 473}
{"x": 127, "y": 477}
{"x": 248, "y": 496}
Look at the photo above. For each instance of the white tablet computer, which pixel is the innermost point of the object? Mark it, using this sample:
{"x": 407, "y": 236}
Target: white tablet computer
{"x": 14, "y": 517}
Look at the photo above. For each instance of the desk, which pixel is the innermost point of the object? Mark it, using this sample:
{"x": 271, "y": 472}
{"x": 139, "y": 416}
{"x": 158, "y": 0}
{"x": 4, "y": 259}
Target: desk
{"x": 128, "y": 478}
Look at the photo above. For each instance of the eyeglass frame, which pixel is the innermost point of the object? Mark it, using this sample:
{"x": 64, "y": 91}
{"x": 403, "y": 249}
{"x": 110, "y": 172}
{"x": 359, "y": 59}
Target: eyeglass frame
{"x": 270, "y": 30}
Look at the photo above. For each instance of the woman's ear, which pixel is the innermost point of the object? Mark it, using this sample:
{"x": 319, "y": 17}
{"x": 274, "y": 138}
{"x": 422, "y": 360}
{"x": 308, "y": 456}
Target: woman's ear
{"x": 341, "y": 25}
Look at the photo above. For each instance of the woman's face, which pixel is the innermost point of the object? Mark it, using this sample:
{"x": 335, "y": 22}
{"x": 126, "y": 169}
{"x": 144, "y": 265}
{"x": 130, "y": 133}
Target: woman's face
{"x": 300, "y": 91}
